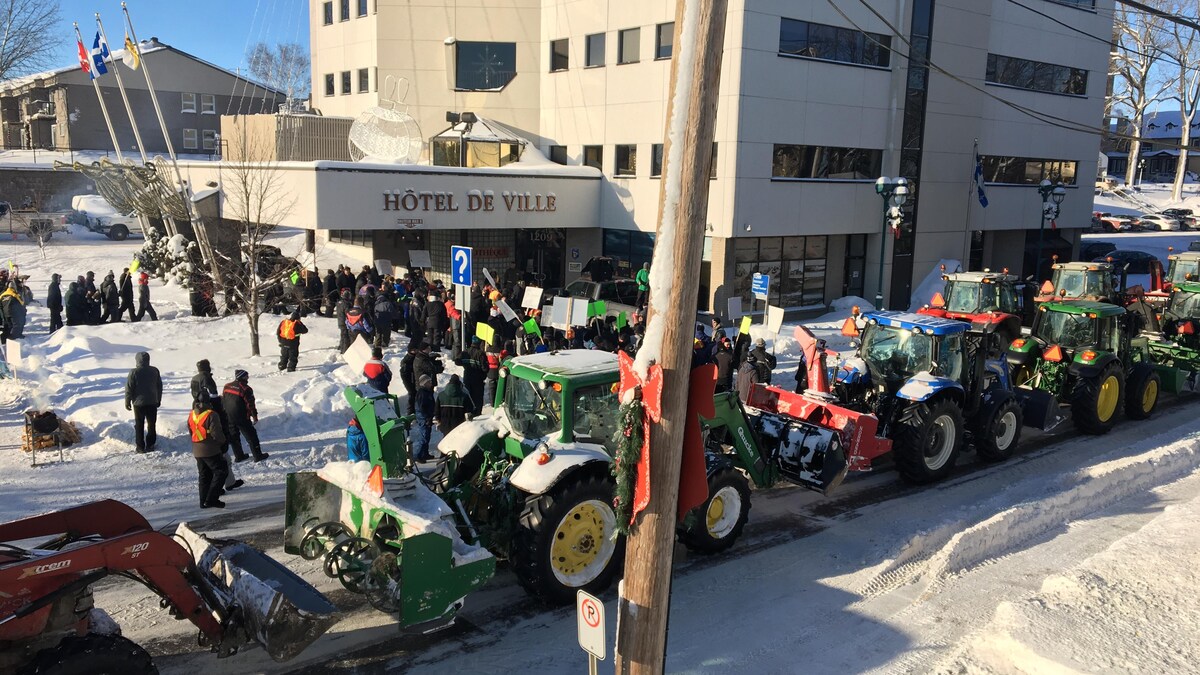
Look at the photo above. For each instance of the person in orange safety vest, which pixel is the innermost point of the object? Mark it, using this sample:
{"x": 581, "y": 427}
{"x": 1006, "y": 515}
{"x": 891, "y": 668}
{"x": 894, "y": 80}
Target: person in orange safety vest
{"x": 208, "y": 447}
{"x": 289, "y": 332}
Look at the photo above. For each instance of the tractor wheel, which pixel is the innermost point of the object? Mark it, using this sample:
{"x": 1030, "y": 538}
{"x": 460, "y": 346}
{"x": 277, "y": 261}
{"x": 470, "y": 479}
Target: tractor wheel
{"x": 717, "y": 523}
{"x": 1142, "y": 396}
{"x": 1095, "y": 400}
{"x": 997, "y": 437}
{"x": 1021, "y": 375}
{"x": 928, "y": 441}
{"x": 566, "y": 541}
{"x": 92, "y": 654}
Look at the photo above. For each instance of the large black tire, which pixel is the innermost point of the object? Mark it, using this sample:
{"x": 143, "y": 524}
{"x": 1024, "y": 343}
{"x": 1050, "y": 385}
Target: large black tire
{"x": 118, "y": 233}
{"x": 1095, "y": 400}
{"x": 717, "y": 523}
{"x": 92, "y": 654}
{"x": 928, "y": 440}
{"x": 564, "y": 540}
{"x": 1141, "y": 396}
{"x": 999, "y": 432}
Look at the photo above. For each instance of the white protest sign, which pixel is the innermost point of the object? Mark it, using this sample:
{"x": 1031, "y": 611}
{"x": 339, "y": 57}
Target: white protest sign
{"x": 507, "y": 311}
{"x": 544, "y": 318}
{"x": 560, "y": 313}
{"x": 419, "y": 259}
{"x": 579, "y": 312}
{"x": 533, "y": 297}
{"x": 774, "y": 319}
{"x": 488, "y": 276}
{"x": 735, "y": 308}
{"x": 384, "y": 267}
{"x": 357, "y": 355}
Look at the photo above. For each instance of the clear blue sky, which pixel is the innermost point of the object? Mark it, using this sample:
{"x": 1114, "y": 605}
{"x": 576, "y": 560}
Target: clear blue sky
{"x": 217, "y": 31}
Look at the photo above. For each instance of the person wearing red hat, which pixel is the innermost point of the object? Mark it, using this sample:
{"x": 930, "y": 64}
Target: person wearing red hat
{"x": 144, "y": 305}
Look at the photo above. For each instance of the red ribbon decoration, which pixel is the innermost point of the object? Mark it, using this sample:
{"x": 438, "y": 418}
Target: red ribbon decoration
{"x": 651, "y": 390}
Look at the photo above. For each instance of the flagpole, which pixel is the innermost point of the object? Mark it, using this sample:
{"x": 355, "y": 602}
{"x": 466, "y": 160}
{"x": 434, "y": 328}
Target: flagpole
{"x": 121, "y": 85}
{"x": 103, "y": 108}
{"x": 971, "y": 188}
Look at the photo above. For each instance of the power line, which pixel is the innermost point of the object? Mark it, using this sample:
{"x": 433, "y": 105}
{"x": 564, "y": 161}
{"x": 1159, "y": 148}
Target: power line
{"x": 1174, "y": 18}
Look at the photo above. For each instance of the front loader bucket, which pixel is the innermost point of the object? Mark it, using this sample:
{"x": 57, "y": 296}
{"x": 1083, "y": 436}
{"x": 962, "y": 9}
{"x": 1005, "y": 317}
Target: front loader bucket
{"x": 276, "y": 608}
{"x": 401, "y": 549}
{"x": 1039, "y": 409}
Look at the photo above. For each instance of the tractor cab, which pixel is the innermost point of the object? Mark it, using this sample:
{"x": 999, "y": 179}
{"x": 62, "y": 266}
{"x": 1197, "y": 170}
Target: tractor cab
{"x": 897, "y": 346}
{"x": 1181, "y": 316}
{"x": 1092, "y": 281}
{"x": 981, "y": 298}
{"x": 1067, "y": 333}
{"x": 562, "y": 398}
{"x": 1183, "y": 267}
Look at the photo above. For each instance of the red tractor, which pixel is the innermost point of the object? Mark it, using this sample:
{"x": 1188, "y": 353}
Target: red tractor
{"x": 233, "y": 593}
{"x": 989, "y": 301}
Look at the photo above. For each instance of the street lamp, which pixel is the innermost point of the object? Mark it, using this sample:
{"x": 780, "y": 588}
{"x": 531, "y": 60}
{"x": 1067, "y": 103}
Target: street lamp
{"x": 894, "y": 192}
{"x": 1141, "y": 170}
{"x": 1052, "y": 195}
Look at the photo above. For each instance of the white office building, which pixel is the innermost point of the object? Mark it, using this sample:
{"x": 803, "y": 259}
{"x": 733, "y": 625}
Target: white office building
{"x": 818, "y": 99}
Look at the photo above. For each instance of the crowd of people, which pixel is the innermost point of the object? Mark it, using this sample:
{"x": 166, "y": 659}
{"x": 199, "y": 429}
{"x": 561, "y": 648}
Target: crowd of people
{"x": 85, "y": 304}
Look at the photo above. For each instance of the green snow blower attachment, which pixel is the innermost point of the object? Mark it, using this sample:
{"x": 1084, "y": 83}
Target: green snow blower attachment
{"x": 379, "y": 417}
{"x": 401, "y": 549}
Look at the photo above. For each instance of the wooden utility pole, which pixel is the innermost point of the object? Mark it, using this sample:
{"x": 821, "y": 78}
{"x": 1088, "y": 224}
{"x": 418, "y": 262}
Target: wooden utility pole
{"x": 683, "y": 210}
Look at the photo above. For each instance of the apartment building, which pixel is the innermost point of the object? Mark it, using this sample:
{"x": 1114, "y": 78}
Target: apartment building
{"x": 817, "y": 100}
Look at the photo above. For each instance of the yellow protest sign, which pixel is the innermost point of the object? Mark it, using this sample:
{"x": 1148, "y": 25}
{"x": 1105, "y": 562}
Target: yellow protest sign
{"x": 485, "y": 332}
{"x": 745, "y": 327}
{"x": 133, "y": 266}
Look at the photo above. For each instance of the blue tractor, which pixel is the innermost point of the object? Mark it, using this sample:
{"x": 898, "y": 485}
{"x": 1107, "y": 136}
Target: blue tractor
{"x": 936, "y": 385}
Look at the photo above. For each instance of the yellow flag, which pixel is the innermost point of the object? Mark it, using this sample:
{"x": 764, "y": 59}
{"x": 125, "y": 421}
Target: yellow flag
{"x": 485, "y": 332}
{"x": 745, "y": 327}
{"x": 133, "y": 266}
{"x": 131, "y": 59}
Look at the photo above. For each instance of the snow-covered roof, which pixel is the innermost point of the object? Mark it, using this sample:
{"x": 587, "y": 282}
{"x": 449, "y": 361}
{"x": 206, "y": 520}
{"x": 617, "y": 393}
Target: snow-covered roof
{"x": 485, "y": 130}
{"x": 145, "y": 47}
{"x": 1165, "y": 124}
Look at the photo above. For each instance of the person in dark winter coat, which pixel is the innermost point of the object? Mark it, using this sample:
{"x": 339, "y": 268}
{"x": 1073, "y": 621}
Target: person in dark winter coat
{"x": 414, "y": 326}
{"x": 143, "y": 293}
{"x": 125, "y": 291}
{"x": 435, "y": 322}
{"x": 289, "y": 332}
{"x": 111, "y": 299}
{"x": 378, "y": 375}
{"x": 406, "y": 374}
{"x": 357, "y": 322}
{"x": 747, "y": 377}
{"x": 329, "y": 289}
{"x": 54, "y": 302}
{"x": 765, "y": 360}
{"x": 724, "y": 360}
{"x": 76, "y": 305}
{"x": 475, "y": 370}
{"x": 423, "y": 424}
{"x": 204, "y": 389}
{"x": 312, "y": 292}
{"x": 89, "y": 283}
{"x": 238, "y": 399}
{"x": 385, "y": 318}
{"x": 208, "y": 447}
{"x": 344, "y": 304}
{"x": 345, "y": 280}
{"x": 143, "y": 395}
{"x": 453, "y": 405}
{"x": 12, "y": 307}
{"x": 426, "y": 363}
{"x": 357, "y": 449}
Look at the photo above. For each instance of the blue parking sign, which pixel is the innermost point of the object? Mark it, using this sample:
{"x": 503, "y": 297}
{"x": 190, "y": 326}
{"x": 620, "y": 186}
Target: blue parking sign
{"x": 460, "y": 265}
{"x": 759, "y": 284}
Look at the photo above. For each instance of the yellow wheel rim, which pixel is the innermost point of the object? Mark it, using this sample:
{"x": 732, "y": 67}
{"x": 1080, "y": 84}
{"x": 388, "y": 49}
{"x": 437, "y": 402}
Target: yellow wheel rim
{"x": 1149, "y": 396}
{"x": 716, "y": 509}
{"x": 583, "y": 544}
{"x": 724, "y": 510}
{"x": 1106, "y": 402}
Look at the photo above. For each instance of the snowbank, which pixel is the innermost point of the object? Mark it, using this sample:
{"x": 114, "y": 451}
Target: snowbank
{"x": 932, "y": 283}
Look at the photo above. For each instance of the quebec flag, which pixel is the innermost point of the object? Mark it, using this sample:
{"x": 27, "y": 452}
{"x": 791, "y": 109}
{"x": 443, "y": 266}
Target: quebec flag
{"x": 983, "y": 200}
{"x": 99, "y": 53}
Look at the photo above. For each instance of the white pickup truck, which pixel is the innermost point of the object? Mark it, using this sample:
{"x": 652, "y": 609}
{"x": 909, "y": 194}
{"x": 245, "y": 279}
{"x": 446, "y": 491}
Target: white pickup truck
{"x": 99, "y": 216}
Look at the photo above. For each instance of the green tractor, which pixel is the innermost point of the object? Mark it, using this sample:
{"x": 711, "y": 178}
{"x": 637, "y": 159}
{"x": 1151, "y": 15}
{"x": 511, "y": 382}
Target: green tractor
{"x": 532, "y": 484}
{"x": 1093, "y": 356}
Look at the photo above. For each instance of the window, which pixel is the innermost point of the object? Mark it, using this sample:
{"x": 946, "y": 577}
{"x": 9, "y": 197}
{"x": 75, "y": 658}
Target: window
{"x": 593, "y": 156}
{"x": 596, "y": 416}
{"x": 595, "y": 50}
{"x": 328, "y": 9}
{"x": 656, "y": 160}
{"x": 825, "y": 163}
{"x": 558, "y": 154}
{"x": 1036, "y": 76}
{"x": 832, "y": 43}
{"x": 627, "y": 45}
{"x": 796, "y": 266}
{"x": 362, "y": 7}
{"x": 712, "y": 166}
{"x": 558, "y": 55}
{"x": 210, "y": 139}
{"x": 189, "y": 103}
{"x": 345, "y": 14}
{"x": 629, "y": 248}
{"x": 53, "y": 136}
{"x": 664, "y": 40}
{"x": 484, "y": 66}
{"x": 329, "y": 84}
{"x": 208, "y": 104}
{"x": 364, "y": 80}
{"x": 345, "y": 82}
{"x": 190, "y": 141}
{"x": 626, "y": 161}
{"x": 352, "y": 237}
{"x": 1027, "y": 171}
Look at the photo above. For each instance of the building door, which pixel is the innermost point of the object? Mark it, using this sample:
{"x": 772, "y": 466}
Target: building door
{"x": 856, "y": 261}
{"x": 540, "y": 256}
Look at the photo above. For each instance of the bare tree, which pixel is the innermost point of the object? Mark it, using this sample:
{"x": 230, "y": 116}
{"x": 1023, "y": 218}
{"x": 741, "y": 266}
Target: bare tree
{"x": 283, "y": 67}
{"x": 1141, "y": 40}
{"x": 1187, "y": 85}
{"x": 29, "y": 37}
{"x": 257, "y": 199}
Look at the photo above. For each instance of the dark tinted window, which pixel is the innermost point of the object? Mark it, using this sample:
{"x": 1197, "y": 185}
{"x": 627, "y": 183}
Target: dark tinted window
{"x": 593, "y": 156}
{"x": 626, "y": 159}
{"x": 821, "y": 162}
{"x": 328, "y": 13}
{"x": 656, "y": 159}
{"x": 628, "y": 45}
{"x": 329, "y": 88}
{"x": 664, "y": 40}
{"x": 1035, "y": 75}
{"x": 595, "y": 50}
{"x": 833, "y": 43}
{"x": 558, "y": 154}
{"x": 484, "y": 65}
{"x": 1027, "y": 171}
{"x": 559, "y": 58}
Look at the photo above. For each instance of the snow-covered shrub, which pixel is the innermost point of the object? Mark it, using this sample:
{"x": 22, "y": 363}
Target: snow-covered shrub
{"x": 168, "y": 258}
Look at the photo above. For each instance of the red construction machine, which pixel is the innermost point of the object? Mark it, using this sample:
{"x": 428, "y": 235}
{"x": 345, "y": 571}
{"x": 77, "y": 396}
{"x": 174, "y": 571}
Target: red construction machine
{"x": 233, "y": 593}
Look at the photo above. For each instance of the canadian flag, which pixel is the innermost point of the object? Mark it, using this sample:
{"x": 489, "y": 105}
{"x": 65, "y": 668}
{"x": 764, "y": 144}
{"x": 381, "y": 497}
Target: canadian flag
{"x": 85, "y": 58}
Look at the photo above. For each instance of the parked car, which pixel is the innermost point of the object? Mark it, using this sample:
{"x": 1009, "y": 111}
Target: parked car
{"x": 1186, "y": 218}
{"x": 1159, "y": 222}
{"x": 1092, "y": 250}
{"x": 1118, "y": 223}
{"x": 1194, "y": 246}
{"x": 1138, "y": 261}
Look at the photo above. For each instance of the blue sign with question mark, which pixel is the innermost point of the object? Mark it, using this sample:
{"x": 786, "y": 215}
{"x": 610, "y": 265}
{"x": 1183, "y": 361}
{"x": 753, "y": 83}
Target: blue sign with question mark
{"x": 460, "y": 265}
